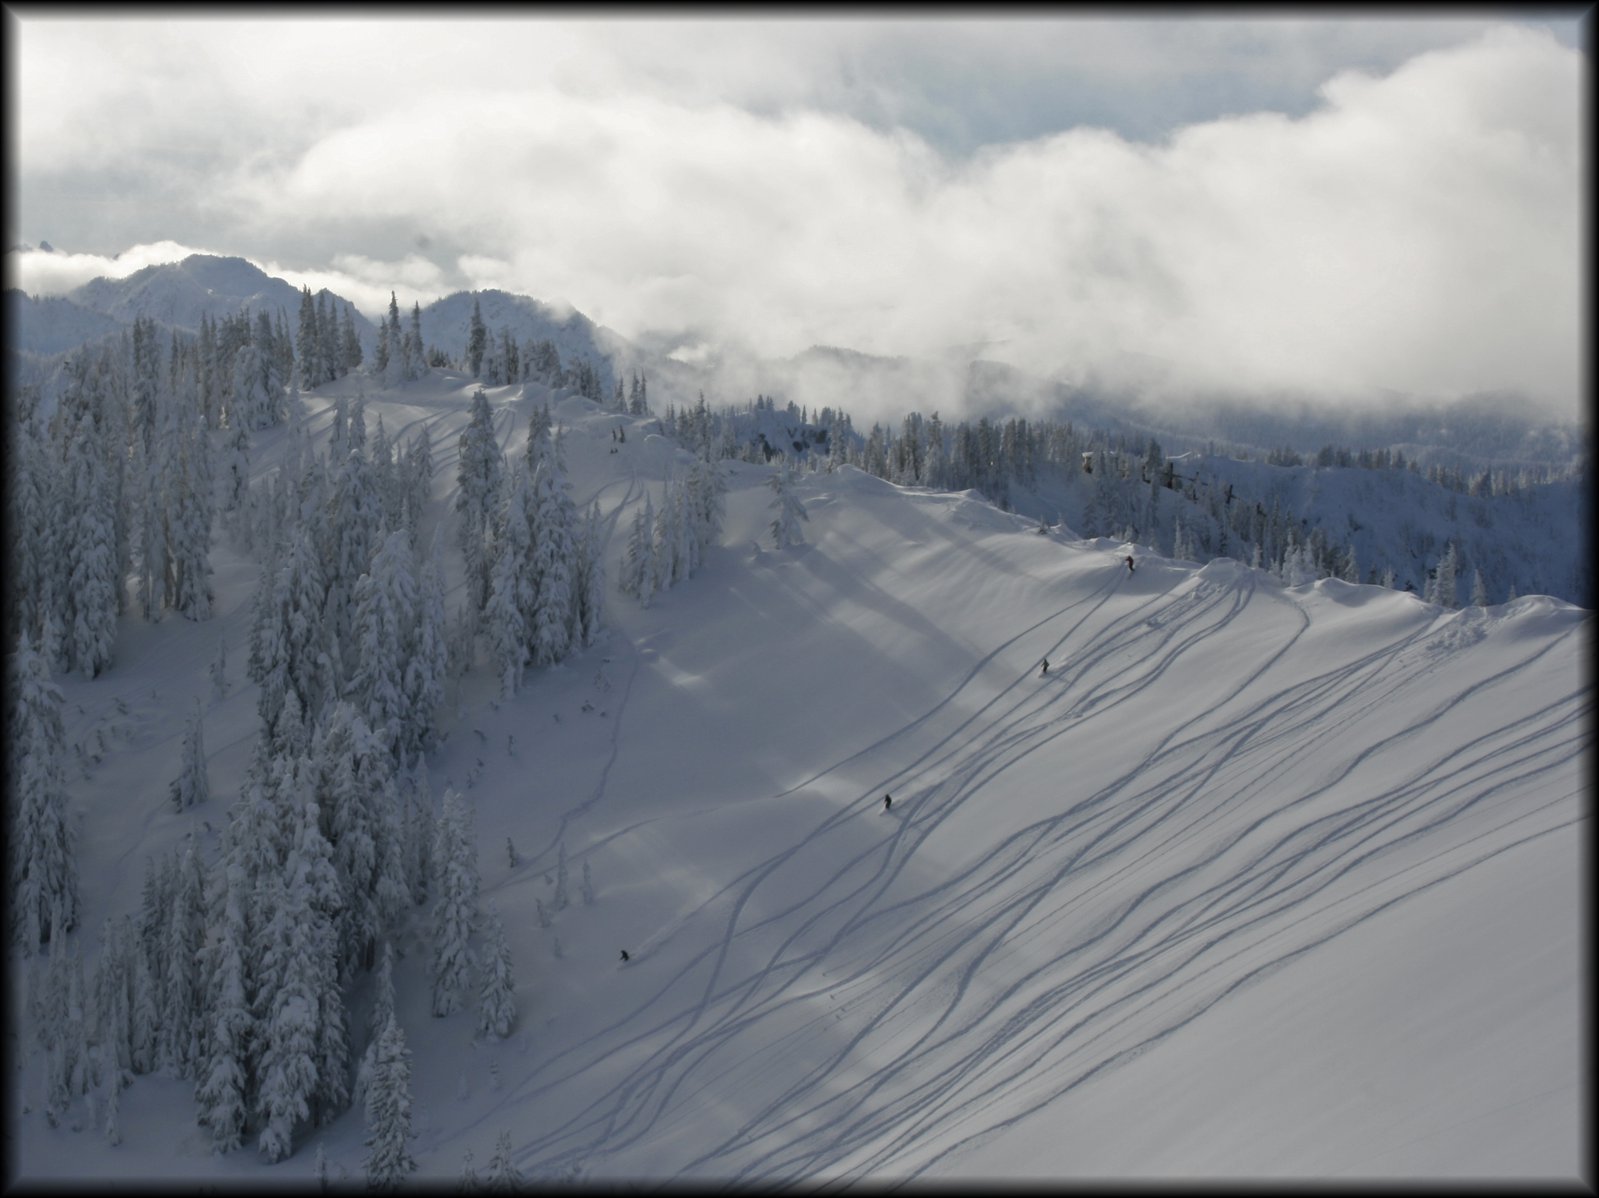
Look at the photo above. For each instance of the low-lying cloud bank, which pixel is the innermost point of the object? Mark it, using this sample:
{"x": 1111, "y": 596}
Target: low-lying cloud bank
{"x": 1418, "y": 231}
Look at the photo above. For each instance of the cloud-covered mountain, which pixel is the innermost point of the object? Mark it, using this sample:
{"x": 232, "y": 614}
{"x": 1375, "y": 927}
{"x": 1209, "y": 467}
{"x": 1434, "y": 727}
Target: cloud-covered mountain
{"x": 180, "y": 293}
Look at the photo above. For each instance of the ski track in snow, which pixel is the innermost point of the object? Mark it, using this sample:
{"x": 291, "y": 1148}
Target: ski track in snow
{"x": 1180, "y": 940}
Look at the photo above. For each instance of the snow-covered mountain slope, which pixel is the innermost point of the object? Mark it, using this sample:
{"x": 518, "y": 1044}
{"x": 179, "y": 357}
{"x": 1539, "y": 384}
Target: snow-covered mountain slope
{"x": 179, "y": 293}
{"x": 446, "y": 323}
{"x": 1471, "y": 432}
{"x": 1534, "y": 540}
{"x": 52, "y": 324}
{"x": 1256, "y": 881}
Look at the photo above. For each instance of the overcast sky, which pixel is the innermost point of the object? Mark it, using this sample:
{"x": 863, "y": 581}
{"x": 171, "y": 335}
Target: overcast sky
{"x": 1329, "y": 205}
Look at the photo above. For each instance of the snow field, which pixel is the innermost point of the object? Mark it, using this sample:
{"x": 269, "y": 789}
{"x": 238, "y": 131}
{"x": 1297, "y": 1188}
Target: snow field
{"x": 1256, "y": 882}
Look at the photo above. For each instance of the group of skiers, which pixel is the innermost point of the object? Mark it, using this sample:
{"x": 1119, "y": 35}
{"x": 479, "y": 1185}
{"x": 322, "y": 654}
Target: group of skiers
{"x": 1129, "y": 560}
{"x": 888, "y": 800}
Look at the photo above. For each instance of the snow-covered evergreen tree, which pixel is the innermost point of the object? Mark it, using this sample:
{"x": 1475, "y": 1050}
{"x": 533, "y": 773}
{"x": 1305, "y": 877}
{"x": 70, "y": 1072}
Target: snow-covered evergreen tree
{"x": 468, "y": 1182}
{"x": 638, "y": 566}
{"x": 67, "y": 1062}
{"x": 787, "y": 509}
{"x": 1348, "y": 564}
{"x": 538, "y": 445}
{"x": 1298, "y": 566}
{"x": 1441, "y": 586}
{"x": 417, "y": 353}
{"x": 236, "y": 484}
{"x": 92, "y": 575}
{"x": 1479, "y": 592}
{"x": 381, "y": 359}
{"x": 551, "y": 567}
{"x": 511, "y": 594}
{"x": 384, "y": 634}
{"x": 509, "y": 367}
{"x": 32, "y": 590}
{"x": 388, "y": 1111}
{"x": 350, "y": 342}
{"x": 428, "y": 665}
{"x": 326, "y": 894}
{"x": 399, "y": 363}
{"x": 287, "y": 1014}
{"x": 112, "y": 1001}
{"x": 670, "y": 568}
{"x": 327, "y": 321}
{"x": 455, "y": 911}
{"x": 476, "y": 340}
{"x": 144, "y": 1015}
{"x": 44, "y": 865}
{"x": 561, "y": 898}
{"x": 160, "y": 884}
{"x": 382, "y": 1011}
{"x": 479, "y": 475}
{"x": 154, "y": 469}
{"x": 355, "y": 432}
{"x": 310, "y": 342}
{"x": 420, "y": 831}
{"x": 183, "y": 1013}
{"x": 1182, "y": 548}
{"x": 497, "y": 987}
{"x": 353, "y": 525}
{"x": 219, "y": 671}
{"x": 113, "y": 1111}
{"x": 503, "y": 1175}
{"x": 416, "y": 485}
{"x": 686, "y": 545}
{"x": 249, "y": 403}
{"x": 304, "y": 1050}
{"x": 191, "y": 786}
{"x": 708, "y": 503}
{"x": 223, "y": 1097}
{"x": 588, "y": 582}
{"x": 192, "y": 508}
{"x": 363, "y": 822}
{"x": 291, "y": 638}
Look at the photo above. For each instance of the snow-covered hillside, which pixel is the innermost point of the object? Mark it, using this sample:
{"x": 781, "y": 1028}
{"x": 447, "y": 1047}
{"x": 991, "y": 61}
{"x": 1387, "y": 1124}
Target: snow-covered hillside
{"x": 179, "y": 293}
{"x": 1255, "y": 882}
{"x": 52, "y": 324}
{"x": 1469, "y": 432}
{"x": 1534, "y": 540}
{"x": 1530, "y": 541}
{"x": 446, "y": 324}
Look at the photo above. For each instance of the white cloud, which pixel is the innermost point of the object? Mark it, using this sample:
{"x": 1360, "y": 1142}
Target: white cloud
{"x": 367, "y": 283}
{"x": 43, "y": 272}
{"x": 1415, "y": 226}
